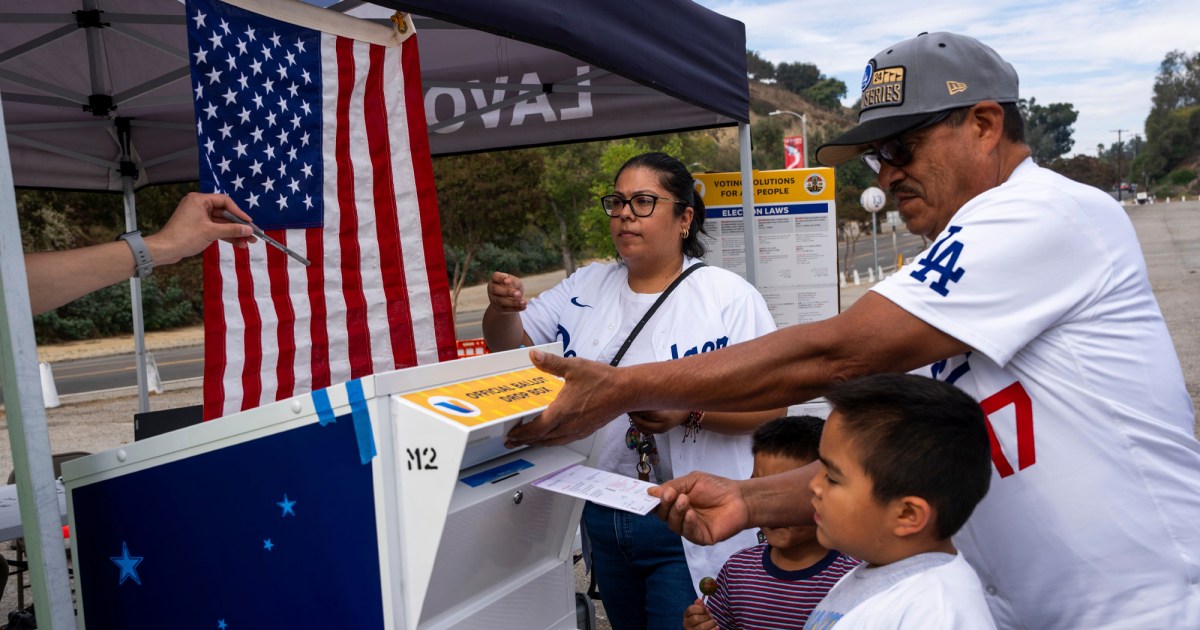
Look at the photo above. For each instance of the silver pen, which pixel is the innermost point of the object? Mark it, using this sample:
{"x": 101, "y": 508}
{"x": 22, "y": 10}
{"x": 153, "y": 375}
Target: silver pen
{"x": 259, "y": 233}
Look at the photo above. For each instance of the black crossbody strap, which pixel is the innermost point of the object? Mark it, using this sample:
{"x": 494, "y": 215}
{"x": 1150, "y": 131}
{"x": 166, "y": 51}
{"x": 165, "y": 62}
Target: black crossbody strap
{"x": 654, "y": 307}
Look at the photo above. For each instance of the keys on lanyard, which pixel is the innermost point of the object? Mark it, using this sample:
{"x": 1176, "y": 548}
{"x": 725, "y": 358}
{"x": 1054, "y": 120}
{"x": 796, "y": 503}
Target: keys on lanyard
{"x": 643, "y": 445}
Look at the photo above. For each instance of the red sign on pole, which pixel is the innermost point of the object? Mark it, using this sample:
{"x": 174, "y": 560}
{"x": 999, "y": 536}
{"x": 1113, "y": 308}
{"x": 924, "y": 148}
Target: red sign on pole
{"x": 793, "y": 152}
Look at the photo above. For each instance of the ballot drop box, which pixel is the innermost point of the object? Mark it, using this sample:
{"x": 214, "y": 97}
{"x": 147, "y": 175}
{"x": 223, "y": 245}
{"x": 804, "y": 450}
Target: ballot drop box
{"x": 387, "y": 502}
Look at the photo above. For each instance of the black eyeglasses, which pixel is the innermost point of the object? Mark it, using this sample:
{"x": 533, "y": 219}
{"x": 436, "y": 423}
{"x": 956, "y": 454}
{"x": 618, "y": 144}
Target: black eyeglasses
{"x": 896, "y": 151}
{"x": 641, "y": 205}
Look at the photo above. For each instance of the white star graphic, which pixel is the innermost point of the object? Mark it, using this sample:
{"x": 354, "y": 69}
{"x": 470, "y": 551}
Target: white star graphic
{"x": 201, "y": 56}
{"x": 282, "y": 202}
{"x": 213, "y": 76}
{"x": 268, "y": 185}
{"x": 199, "y": 18}
{"x": 199, "y": 91}
{"x": 271, "y": 119}
{"x": 283, "y": 136}
{"x": 237, "y": 182}
{"x": 256, "y": 167}
{"x": 245, "y": 115}
{"x": 291, "y": 58}
{"x": 307, "y": 170}
{"x": 249, "y": 33}
{"x": 268, "y": 85}
{"x": 282, "y": 70}
{"x": 252, "y": 201}
{"x": 230, "y": 96}
{"x": 257, "y": 134}
{"x": 224, "y": 164}
{"x": 304, "y": 139}
{"x": 231, "y": 61}
{"x": 241, "y": 46}
{"x": 274, "y": 40}
{"x": 257, "y": 101}
{"x": 266, "y": 53}
{"x": 295, "y": 121}
{"x": 225, "y": 131}
{"x": 210, "y": 146}
{"x": 256, "y": 66}
{"x": 244, "y": 82}
{"x": 294, "y": 185}
{"x": 270, "y": 151}
{"x": 282, "y": 104}
{"x": 292, "y": 154}
{"x": 216, "y": 41}
{"x": 299, "y": 45}
{"x": 282, "y": 170}
{"x": 305, "y": 107}
{"x": 308, "y": 203}
{"x": 293, "y": 90}
{"x": 224, "y": 26}
{"x": 240, "y": 148}
{"x": 304, "y": 75}
{"x": 211, "y": 110}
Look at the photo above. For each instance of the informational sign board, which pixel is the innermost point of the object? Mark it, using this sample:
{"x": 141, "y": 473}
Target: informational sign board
{"x": 796, "y": 247}
{"x": 793, "y": 152}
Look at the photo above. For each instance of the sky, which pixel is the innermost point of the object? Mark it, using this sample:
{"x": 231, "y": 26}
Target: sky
{"x": 1102, "y": 56}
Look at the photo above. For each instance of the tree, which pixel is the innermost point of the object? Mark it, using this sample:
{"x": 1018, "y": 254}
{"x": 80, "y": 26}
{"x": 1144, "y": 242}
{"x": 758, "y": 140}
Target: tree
{"x": 1084, "y": 169}
{"x": 485, "y": 198}
{"x": 571, "y": 172}
{"x": 1178, "y": 83}
{"x": 758, "y": 68}
{"x": 826, "y": 92}
{"x": 1048, "y": 129}
{"x": 797, "y": 77}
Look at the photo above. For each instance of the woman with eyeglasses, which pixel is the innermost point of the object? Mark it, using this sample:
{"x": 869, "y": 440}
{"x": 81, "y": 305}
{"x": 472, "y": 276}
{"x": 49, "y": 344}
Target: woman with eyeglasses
{"x": 646, "y": 573}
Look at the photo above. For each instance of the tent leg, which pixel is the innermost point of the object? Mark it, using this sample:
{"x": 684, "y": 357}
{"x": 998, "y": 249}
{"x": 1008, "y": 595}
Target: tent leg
{"x": 135, "y": 284}
{"x": 30, "y": 437}
{"x": 751, "y": 226}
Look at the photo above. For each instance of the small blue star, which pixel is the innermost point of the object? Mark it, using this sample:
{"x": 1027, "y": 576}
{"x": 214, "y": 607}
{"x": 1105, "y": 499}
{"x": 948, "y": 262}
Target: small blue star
{"x": 268, "y": 545}
{"x": 221, "y": 624}
{"x": 128, "y": 565}
{"x": 287, "y": 506}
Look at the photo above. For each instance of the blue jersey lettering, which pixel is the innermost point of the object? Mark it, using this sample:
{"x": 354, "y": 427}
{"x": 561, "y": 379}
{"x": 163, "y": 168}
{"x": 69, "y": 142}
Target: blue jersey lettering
{"x": 942, "y": 259}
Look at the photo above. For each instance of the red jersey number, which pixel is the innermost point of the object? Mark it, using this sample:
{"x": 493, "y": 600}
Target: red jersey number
{"x": 1016, "y": 396}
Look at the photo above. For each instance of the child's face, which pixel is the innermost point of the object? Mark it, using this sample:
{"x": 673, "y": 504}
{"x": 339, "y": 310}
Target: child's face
{"x": 848, "y": 518}
{"x": 783, "y": 538}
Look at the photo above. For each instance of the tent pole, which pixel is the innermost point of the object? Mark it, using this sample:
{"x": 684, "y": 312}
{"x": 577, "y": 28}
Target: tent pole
{"x": 751, "y": 226}
{"x": 128, "y": 173}
{"x": 37, "y": 494}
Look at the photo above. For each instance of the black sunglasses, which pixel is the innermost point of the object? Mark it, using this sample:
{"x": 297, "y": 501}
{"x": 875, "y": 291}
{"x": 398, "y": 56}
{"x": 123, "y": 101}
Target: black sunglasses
{"x": 896, "y": 151}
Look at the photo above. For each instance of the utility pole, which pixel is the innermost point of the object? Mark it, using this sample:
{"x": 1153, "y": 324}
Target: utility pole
{"x": 1120, "y": 151}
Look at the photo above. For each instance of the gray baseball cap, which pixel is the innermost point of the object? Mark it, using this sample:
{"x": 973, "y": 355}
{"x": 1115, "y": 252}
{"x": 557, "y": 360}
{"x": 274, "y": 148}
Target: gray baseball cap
{"x": 906, "y": 85}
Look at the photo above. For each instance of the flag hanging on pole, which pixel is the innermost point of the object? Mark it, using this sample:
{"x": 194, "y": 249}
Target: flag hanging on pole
{"x": 793, "y": 152}
{"x": 314, "y": 123}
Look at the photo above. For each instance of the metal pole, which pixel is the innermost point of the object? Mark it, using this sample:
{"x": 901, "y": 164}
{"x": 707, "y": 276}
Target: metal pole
{"x": 874, "y": 234}
{"x": 895, "y": 251}
{"x": 750, "y": 226}
{"x": 128, "y": 173}
{"x": 37, "y": 493}
{"x": 804, "y": 136}
{"x": 1120, "y": 151}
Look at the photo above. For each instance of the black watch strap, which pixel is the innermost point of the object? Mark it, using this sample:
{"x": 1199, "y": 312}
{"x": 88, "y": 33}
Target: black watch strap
{"x": 141, "y": 256}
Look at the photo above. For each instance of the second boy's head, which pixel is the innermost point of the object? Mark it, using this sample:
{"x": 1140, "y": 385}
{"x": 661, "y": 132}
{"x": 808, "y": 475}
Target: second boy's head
{"x": 906, "y": 461}
{"x": 781, "y": 445}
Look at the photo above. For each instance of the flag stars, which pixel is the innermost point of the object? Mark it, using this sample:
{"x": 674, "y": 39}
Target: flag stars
{"x": 307, "y": 169}
{"x": 304, "y": 75}
{"x": 308, "y": 202}
{"x": 240, "y": 149}
{"x": 256, "y": 66}
{"x": 256, "y": 167}
{"x": 226, "y": 130}
{"x": 283, "y": 204}
{"x": 252, "y": 201}
{"x": 295, "y": 187}
{"x": 274, "y": 40}
{"x": 244, "y": 115}
{"x": 224, "y": 165}
{"x": 270, "y": 151}
{"x": 211, "y": 110}
{"x": 244, "y": 82}
{"x": 271, "y": 119}
{"x": 304, "y": 139}
{"x": 210, "y": 146}
{"x": 230, "y": 96}
{"x": 249, "y": 34}
{"x": 305, "y": 106}
{"x": 237, "y": 182}
{"x": 268, "y": 545}
{"x": 199, "y": 18}
{"x": 257, "y": 134}
{"x": 282, "y": 169}
{"x": 283, "y": 136}
{"x": 241, "y": 46}
{"x": 291, "y": 58}
{"x": 293, "y": 90}
{"x": 266, "y": 53}
{"x": 224, "y": 26}
{"x": 213, "y": 76}
{"x": 268, "y": 86}
{"x": 291, "y": 154}
{"x": 282, "y": 104}
{"x": 300, "y": 45}
{"x": 257, "y": 101}
{"x": 295, "y": 121}
{"x": 216, "y": 41}
{"x": 199, "y": 91}
{"x": 268, "y": 185}
{"x": 201, "y": 56}
{"x": 282, "y": 70}
{"x": 231, "y": 61}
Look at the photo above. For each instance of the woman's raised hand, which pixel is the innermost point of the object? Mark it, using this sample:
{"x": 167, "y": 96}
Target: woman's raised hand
{"x": 506, "y": 293}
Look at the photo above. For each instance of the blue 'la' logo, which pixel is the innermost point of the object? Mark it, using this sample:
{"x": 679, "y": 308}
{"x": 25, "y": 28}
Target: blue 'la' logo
{"x": 943, "y": 259}
{"x": 870, "y": 69}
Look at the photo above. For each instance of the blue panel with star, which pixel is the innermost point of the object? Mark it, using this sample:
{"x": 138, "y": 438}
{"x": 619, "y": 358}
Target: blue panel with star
{"x": 275, "y": 532}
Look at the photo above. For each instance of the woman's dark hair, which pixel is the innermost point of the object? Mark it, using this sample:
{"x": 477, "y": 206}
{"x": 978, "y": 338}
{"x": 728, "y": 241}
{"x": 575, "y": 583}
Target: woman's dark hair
{"x": 674, "y": 176}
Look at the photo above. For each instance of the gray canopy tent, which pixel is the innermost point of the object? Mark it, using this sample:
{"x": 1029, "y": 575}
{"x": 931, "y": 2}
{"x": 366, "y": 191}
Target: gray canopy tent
{"x": 95, "y": 96}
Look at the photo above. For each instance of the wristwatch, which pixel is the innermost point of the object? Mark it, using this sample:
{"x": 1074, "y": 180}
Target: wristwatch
{"x": 141, "y": 256}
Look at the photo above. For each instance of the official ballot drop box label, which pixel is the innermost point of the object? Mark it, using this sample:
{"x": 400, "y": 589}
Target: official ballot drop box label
{"x": 483, "y": 400}
{"x": 795, "y": 252}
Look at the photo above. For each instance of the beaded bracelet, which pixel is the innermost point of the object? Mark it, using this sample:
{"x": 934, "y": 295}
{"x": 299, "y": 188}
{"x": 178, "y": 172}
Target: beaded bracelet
{"x": 691, "y": 426}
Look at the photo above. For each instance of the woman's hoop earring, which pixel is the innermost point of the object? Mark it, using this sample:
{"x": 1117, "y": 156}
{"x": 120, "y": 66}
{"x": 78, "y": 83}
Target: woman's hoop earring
{"x": 685, "y": 233}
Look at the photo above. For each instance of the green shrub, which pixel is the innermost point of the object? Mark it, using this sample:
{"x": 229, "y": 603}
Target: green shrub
{"x": 1181, "y": 176}
{"x": 106, "y": 312}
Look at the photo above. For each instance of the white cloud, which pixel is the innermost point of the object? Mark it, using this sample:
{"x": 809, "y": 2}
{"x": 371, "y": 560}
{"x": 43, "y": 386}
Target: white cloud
{"x": 1101, "y": 56}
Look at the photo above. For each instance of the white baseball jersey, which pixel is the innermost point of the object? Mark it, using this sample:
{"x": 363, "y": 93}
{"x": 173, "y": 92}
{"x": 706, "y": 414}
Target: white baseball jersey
{"x": 1093, "y": 516}
{"x": 711, "y": 309}
{"x": 945, "y": 596}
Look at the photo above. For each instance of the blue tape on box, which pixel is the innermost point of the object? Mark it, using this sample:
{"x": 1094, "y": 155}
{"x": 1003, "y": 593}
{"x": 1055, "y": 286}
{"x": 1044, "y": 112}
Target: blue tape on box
{"x": 362, "y": 421}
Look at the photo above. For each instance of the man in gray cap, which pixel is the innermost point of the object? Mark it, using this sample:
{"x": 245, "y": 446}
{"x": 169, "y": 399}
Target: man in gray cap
{"x": 1034, "y": 299}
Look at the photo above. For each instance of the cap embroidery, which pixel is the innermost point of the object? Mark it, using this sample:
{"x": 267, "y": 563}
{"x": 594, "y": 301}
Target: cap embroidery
{"x": 955, "y": 87}
{"x": 886, "y": 87}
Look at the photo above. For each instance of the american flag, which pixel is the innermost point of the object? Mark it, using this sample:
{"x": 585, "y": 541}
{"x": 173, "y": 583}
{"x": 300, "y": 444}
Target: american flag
{"x": 322, "y": 140}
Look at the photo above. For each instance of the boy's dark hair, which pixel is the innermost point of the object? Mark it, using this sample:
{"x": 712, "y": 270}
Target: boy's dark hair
{"x": 918, "y": 437}
{"x": 797, "y": 437}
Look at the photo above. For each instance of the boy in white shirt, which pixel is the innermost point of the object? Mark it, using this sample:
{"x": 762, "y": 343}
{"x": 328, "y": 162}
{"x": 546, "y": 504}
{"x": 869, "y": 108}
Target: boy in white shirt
{"x": 905, "y": 460}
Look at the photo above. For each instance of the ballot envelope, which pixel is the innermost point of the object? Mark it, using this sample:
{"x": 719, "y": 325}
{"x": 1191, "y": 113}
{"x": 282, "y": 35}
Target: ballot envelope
{"x": 386, "y": 502}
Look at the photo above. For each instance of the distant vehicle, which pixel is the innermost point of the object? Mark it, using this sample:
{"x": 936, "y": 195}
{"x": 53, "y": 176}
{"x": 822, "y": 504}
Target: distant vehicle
{"x": 1143, "y": 198}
